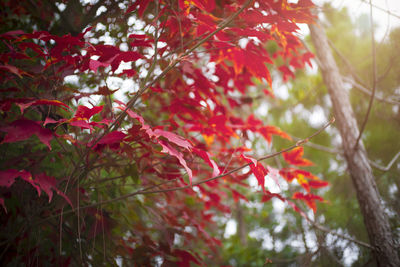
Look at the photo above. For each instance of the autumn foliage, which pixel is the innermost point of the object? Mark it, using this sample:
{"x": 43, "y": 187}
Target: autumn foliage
{"x": 139, "y": 165}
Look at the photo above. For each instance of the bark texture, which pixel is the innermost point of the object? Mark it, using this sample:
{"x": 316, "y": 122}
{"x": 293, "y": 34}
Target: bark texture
{"x": 375, "y": 219}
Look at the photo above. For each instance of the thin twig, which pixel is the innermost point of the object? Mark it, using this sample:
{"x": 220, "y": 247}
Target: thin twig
{"x": 349, "y": 66}
{"x": 339, "y": 152}
{"x": 329, "y": 231}
{"x": 368, "y": 92}
{"x": 78, "y": 218}
{"x": 319, "y": 147}
{"x": 374, "y": 76}
{"x": 385, "y": 169}
{"x": 381, "y": 9}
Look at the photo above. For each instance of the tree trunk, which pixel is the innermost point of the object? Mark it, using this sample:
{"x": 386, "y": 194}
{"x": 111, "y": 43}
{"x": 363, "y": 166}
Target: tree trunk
{"x": 375, "y": 219}
{"x": 241, "y": 225}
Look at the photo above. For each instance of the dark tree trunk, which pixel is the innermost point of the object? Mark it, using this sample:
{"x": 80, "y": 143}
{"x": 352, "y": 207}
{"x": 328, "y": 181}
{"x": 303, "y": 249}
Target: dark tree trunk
{"x": 375, "y": 219}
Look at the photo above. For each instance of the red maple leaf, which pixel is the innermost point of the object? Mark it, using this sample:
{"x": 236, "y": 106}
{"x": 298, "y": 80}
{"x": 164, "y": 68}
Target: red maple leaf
{"x": 257, "y": 169}
{"x": 167, "y": 148}
{"x": 294, "y": 157}
{"x": 174, "y": 138}
{"x": 268, "y": 131}
{"x": 86, "y": 113}
{"x": 112, "y": 138}
{"x": 185, "y": 258}
{"x": 318, "y": 184}
{"x": 236, "y": 196}
{"x": 23, "y": 129}
{"x": 48, "y": 185}
{"x": 24, "y": 103}
{"x": 309, "y": 199}
{"x": 206, "y": 157}
{"x": 95, "y": 64}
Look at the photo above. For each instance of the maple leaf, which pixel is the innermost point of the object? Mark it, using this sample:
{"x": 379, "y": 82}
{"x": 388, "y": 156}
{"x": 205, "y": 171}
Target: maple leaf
{"x": 268, "y": 196}
{"x": 291, "y": 173}
{"x": 173, "y": 152}
{"x": 257, "y": 169}
{"x": 256, "y": 125}
{"x": 236, "y": 196}
{"x": 82, "y": 124}
{"x": 86, "y": 113}
{"x": 127, "y": 56}
{"x": 12, "y": 69}
{"x": 309, "y": 199}
{"x": 142, "y": 7}
{"x": 23, "y": 129}
{"x": 268, "y": 131}
{"x": 129, "y": 73}
{"x": 294, "y": 157}
{"x": 303, "y": 182}
{"x": 48, "y": 184}
{"x": 219, "y": 124}
{"x": 273, "y": 173}
{"x": 11, "y": 34}
{"x": 41, "y": 182}
{"x": 306, "y": 58}
{"x": 297, "y": 209}
{"x": 206, "y": 157}
{"x": 49, "y": 102}
{"x": 104, "y": 90}
{"x": 185, "y": 258}
{"x": 140, "y": 40}
{"x": 95, "y": 64}
{"x": 7, "y": 177}
{"x": 318, "y": 184}
{"x": 287, "y": 73}
{"x": 112, "y": 138}
{"x": 136, "y": 116}
{"x": 174, "y": 138}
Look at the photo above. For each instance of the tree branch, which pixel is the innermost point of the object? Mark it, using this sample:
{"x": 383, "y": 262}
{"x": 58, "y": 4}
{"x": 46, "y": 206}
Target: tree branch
{"x": 329, "y": 231}
{"x": 381, "y": 9}
{"x": 385, "y": 169}
{"x": 319, "y": 147}
{"x": 374, "y": 75}
{"x": 368, "y": 92}
{"x": 347, "y": 63}
{"x": 146, "y": 192}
